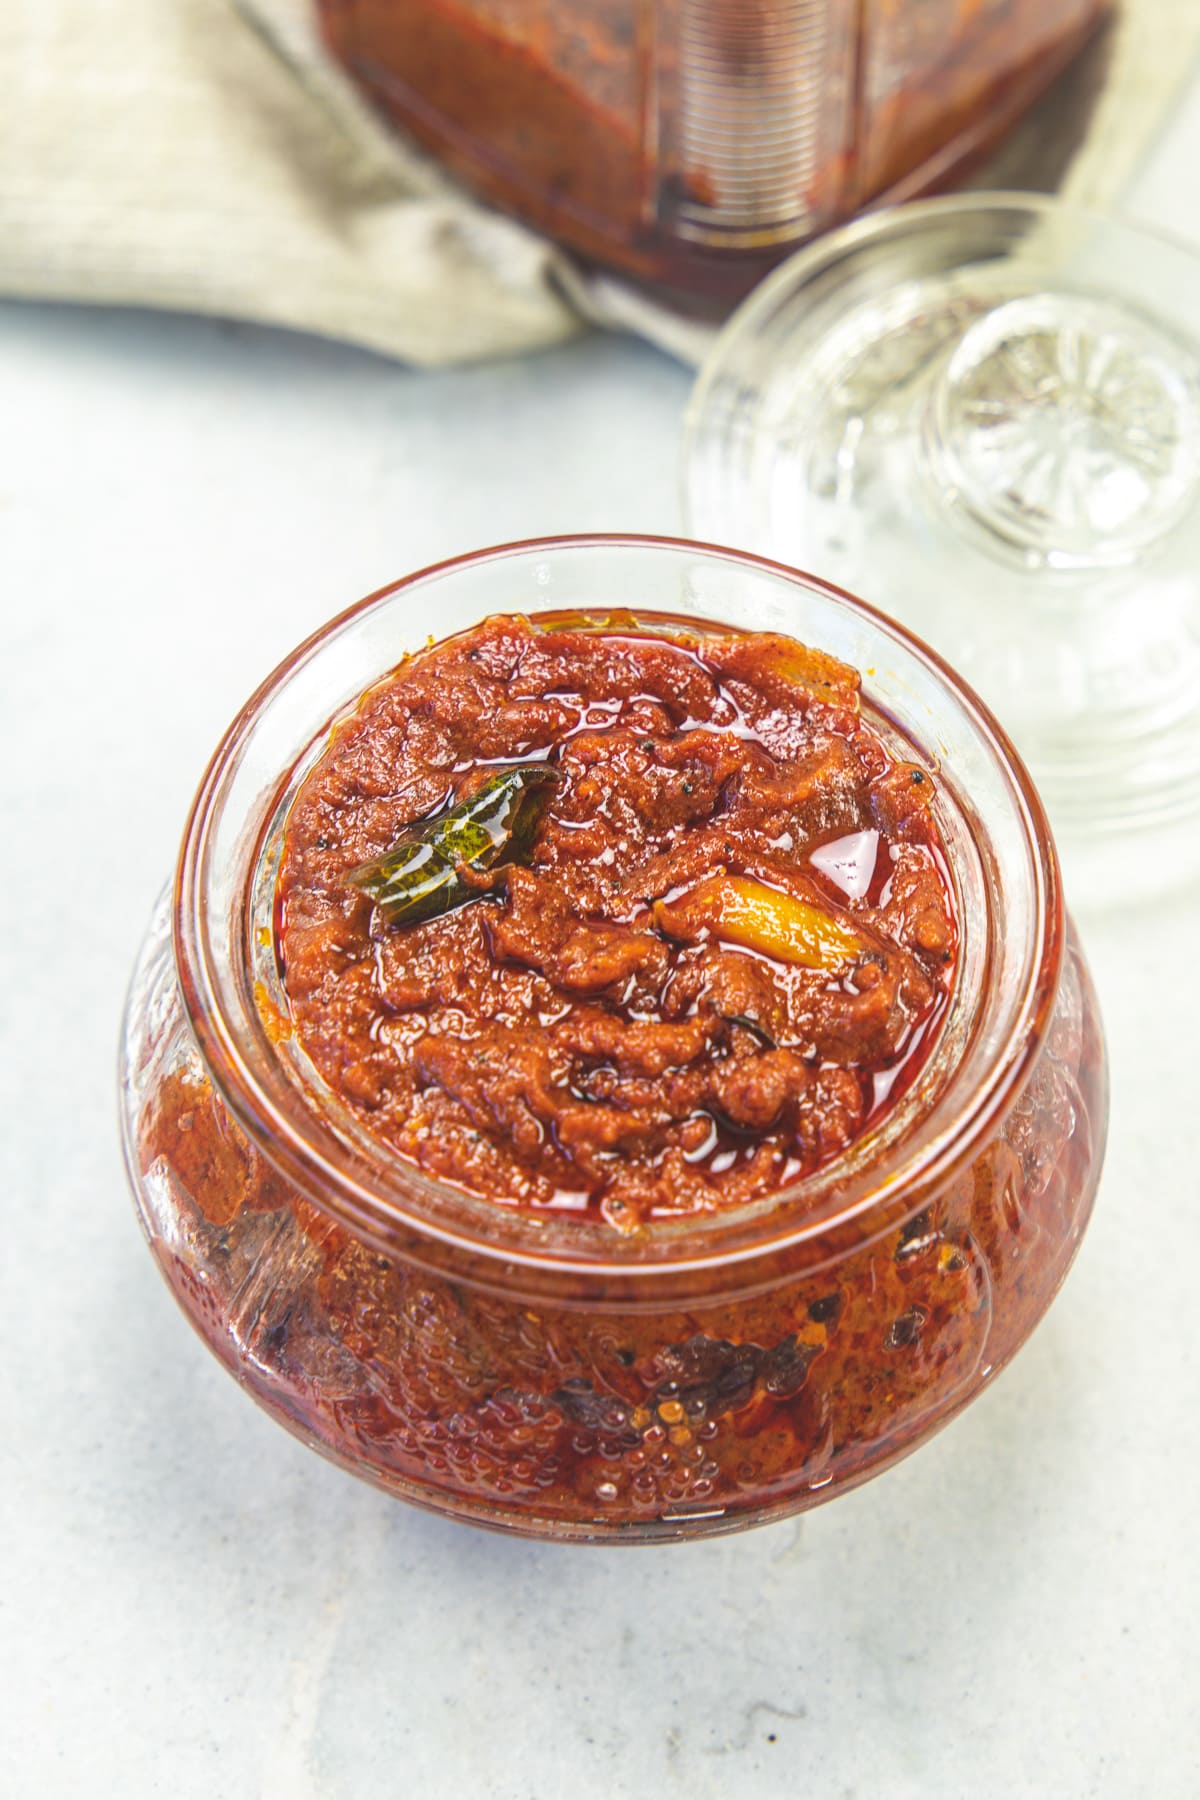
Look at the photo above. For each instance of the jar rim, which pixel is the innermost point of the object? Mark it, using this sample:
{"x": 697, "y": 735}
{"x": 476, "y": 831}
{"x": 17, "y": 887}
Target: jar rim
{"x": 343, "y": 1183}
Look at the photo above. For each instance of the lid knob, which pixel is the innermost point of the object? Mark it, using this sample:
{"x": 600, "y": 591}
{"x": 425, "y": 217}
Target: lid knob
{"x": 1067, "y": 428}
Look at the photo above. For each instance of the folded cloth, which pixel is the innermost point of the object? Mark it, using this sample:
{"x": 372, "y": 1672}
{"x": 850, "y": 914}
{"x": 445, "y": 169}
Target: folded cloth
{"x": 209, "y": 156}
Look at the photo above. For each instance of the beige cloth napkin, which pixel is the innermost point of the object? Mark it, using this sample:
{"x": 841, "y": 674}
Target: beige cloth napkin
{"x": 205, "y": 155}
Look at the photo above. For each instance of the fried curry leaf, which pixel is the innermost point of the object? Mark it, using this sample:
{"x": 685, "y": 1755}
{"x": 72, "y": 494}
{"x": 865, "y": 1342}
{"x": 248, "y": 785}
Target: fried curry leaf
{"x": 426, "y": 871}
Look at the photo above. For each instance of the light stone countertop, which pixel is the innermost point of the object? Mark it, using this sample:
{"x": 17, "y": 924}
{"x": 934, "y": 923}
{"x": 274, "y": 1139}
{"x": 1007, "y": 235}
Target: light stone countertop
{"x": 192, "y": 1604}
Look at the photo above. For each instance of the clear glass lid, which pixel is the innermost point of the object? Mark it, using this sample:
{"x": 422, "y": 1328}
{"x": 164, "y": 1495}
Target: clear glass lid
{"x": 982, "y": 414}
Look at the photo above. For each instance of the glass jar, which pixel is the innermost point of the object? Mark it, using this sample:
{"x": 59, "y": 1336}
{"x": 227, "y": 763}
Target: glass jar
{"x": 983, "y": 412}
{"x": 692, "y": 143}
{"x": 542, "y": 1373}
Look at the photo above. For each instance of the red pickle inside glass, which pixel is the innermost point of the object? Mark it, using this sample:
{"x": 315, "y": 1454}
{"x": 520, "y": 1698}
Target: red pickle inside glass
{"x": 657, "y": 1001}
{"x": 704, "y": 1157}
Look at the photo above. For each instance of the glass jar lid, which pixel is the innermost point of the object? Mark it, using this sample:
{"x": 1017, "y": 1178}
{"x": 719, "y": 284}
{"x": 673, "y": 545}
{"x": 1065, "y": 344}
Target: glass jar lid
{"x": 982, "y": 414}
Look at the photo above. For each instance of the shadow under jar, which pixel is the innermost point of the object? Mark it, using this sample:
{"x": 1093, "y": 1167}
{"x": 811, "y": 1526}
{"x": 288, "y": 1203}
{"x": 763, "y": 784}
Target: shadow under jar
{"x": 546, "y": 1374}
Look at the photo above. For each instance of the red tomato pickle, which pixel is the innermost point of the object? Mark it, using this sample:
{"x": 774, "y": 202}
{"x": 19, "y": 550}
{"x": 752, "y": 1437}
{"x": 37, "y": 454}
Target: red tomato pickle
{"x": 614, "y": 1081}
{"x": 719, "y": 959}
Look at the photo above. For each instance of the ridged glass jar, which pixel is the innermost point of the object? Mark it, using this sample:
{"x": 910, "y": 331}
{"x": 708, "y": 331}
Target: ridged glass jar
{"x": 541, "y": 1374}
{"x": 693, "y": 143}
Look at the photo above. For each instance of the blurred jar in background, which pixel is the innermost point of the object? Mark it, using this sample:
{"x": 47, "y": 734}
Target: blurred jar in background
{"x": 693, "y": 143}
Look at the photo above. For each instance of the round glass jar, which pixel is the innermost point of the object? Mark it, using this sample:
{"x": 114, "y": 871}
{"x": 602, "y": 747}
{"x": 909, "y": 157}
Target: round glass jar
{"x": 543, "y": 1373}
